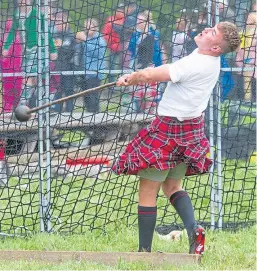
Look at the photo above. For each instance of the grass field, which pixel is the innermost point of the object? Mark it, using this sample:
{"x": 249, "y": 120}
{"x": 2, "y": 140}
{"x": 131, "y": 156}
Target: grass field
{"x": 224, "y": 250}
{"x": 81, "y": 203}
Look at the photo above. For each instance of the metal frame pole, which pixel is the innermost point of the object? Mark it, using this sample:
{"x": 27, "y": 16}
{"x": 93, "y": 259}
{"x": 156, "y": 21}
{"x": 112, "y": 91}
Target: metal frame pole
{"x": 40, "y": 118}
{"x": 219, "y": 160}
{"x": 219, "y": 147}
{"x": 211, "y": 138}
{"x": 47, "y": 115}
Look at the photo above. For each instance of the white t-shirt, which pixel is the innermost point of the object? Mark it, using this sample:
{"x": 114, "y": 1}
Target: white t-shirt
{"x": 192, "y": 81}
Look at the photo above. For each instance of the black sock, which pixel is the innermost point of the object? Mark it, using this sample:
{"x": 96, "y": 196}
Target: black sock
{"x": 183, "y": 205}
{"x": 146, "y": 225}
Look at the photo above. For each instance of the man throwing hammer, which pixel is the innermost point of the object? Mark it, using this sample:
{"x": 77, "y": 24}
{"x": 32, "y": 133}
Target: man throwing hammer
{"x": 174, "y": 144}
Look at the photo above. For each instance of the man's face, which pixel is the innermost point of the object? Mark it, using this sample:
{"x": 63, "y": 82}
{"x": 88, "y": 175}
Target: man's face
{"x": 209, "y": 38}
{"x": 181, "y": 24}
{"x": 141, "y": 24}
{"x": 119, "y": 14}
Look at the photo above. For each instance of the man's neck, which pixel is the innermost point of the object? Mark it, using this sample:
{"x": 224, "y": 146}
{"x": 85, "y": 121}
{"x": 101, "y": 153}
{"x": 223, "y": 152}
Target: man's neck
{"x": 207, "y": 52}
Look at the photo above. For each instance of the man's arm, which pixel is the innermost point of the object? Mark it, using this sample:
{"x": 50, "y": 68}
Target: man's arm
{"x": 148, "y": 75}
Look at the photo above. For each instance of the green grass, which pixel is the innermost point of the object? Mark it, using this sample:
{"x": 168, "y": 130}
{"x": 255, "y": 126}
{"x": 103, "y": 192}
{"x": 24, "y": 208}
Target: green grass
{"x": 72, "y": 136}
{"x": 224, "y": 250}
{"x": 239, "y": 120}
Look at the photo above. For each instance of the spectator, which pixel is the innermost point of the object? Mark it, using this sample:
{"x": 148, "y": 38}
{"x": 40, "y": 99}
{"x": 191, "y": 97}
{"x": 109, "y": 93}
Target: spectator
{"x": 144, "y": 45}
{"x": 54, "y": 78}
{"x": 113, "y": 39}
{"x": 193, "y": 29}
{"x": 25, "y": 22}
{"x": 226, "y": 79}
{"x": 125, "y": 31}
{"x": 203, "y": 16}
{"x": 157, "y": 56}
{"x": 11, "y": 86}
{"x": 220, "y": 10}
{"x": 179, "y": 39}
{"x": 65, "y": 43}
{"x": 131, "y": 12}
{"x": 11, "y": 89}
{"x": 90, "y": 56}
{"x": 246, "y": 57}
{"x": 52, "y": 11}
{"x": 226, "y": 13}
{"x": 145, "y": 51}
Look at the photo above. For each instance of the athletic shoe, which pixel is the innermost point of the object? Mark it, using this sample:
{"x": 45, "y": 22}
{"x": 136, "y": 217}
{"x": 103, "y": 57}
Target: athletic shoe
{"x": 197, "y": 240}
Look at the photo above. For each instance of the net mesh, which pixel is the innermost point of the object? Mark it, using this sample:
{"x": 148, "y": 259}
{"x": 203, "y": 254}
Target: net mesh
{"x": 55, "y": 169}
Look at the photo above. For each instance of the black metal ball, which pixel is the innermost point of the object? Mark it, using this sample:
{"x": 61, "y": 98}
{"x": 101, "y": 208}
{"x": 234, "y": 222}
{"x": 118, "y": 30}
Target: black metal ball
{"x": 22, "y": 113}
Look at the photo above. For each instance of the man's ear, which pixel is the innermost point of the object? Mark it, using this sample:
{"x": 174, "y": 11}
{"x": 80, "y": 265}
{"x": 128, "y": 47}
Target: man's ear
{"x": 216, "y": 49}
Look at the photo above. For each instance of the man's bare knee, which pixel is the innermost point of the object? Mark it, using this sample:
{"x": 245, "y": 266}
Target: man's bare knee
{"x": 170, "y": 187}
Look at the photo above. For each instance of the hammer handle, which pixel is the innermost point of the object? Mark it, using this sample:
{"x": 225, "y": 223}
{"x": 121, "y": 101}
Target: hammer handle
{"x": 64, "y": 99}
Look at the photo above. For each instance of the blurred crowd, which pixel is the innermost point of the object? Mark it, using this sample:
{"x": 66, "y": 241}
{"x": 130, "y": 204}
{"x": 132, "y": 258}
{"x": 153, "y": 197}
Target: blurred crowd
{"x": 129, "y": 39}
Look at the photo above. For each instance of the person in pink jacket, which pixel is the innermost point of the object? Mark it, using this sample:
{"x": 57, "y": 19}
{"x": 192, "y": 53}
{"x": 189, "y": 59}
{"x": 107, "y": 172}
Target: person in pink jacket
{"x": 11, "y": 88}
{"x": 11, "y": 63}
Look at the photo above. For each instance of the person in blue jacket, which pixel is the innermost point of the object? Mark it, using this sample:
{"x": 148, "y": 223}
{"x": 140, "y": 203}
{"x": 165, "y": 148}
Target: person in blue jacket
{"x": 145, "y": 28}
{"x": 90, "y": 55}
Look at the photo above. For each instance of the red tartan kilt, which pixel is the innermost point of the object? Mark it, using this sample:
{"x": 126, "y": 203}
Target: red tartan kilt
{"x": 165, "y": 143}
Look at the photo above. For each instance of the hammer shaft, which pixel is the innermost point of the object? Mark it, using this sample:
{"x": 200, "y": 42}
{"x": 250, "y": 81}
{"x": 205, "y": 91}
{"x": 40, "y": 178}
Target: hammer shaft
{"x": 64, "y": 99}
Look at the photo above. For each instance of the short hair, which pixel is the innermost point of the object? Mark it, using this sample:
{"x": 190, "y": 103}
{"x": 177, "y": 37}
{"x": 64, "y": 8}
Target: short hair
{"x": 231, "y": 36}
